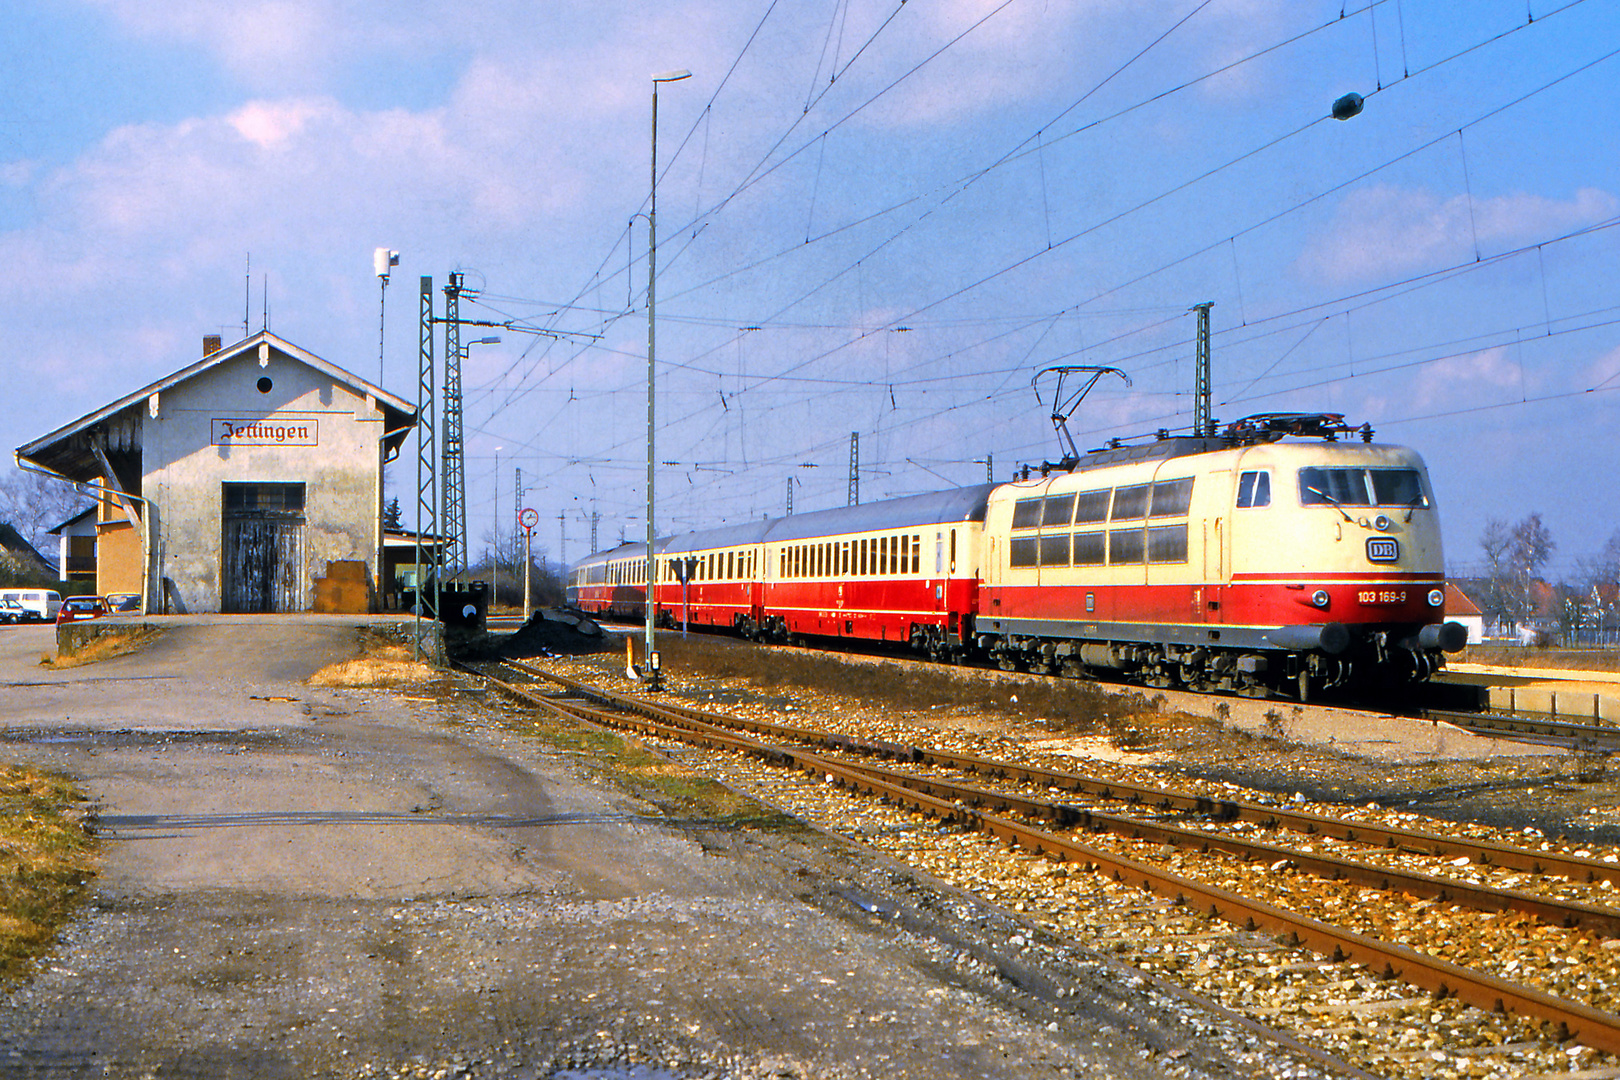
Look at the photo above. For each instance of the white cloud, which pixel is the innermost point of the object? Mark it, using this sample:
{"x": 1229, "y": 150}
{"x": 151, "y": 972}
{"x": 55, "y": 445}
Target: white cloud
{"x": 1385, "y": 231}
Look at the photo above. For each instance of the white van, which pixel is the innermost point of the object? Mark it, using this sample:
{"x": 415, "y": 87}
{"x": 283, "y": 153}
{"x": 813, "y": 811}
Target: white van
{"x": 41, "y": 604}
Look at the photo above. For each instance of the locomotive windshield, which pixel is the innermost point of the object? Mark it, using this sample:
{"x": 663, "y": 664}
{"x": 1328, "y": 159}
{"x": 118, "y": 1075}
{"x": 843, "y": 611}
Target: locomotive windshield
{"x": 1361, "y": 487}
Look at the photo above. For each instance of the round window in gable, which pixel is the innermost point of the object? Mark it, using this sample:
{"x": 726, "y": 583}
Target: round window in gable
{"x": 265, "y": 384}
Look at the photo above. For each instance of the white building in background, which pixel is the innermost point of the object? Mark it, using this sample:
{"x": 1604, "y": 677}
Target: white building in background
{"x": 236, "y": 483}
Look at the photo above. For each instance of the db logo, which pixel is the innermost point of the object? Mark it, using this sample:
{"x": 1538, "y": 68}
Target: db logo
{"x": 1383, "y": 549}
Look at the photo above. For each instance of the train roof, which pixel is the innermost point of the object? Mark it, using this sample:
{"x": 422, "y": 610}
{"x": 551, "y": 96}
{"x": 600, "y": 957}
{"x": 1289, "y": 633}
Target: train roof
{"x": 933, "y": 508}
{"x": 749, "y": 532}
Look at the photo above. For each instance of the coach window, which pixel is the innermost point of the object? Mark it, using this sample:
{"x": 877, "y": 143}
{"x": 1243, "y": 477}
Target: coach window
{"x": 953, "y": 551}
{"x": 916, "y": 553}
{"x": 939, "y": 553}
{"x": 1130, "y": 502}
{"x": 1254, "y": 489}
{"x": 1091, "y": 507}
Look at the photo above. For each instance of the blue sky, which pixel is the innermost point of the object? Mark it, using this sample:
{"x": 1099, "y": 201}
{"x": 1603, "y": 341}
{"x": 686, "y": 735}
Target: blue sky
{"x": 879, "y": 217}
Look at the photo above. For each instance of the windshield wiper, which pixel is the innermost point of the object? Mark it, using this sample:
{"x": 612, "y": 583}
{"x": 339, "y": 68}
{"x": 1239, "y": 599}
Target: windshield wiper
{"x": 1330, "y": 499}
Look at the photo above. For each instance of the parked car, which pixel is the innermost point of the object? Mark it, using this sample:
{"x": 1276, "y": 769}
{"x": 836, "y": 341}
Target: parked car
{"x": 124, "y": 603}
{"x": 77, "y": 608}
{"x": 40, "y": 604}
{"x": 12, "y": 612}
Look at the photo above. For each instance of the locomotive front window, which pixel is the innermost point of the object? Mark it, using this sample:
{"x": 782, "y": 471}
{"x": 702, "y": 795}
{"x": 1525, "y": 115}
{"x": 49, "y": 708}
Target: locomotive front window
{"x": 1091, "y": 507}
{"x": 1361, "y": 487}
{"x": 1055, "y": 550}
{"x": 1333, "y": 487}
{"x": 1027, "y": 513}
{"x": 1171, "y": 498}
{"x": 1059, "y": 510}
{"x": 1254, "y": 489}
{"x": 1397, "y": 487}
{"x": 1130, "y": 502}
{"x": 1090, "y": 549}
{"x": 1023, "y": 551}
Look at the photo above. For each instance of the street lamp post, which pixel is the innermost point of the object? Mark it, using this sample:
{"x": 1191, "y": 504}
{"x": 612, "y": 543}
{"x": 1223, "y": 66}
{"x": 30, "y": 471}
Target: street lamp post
{"x": 649, "y": 592}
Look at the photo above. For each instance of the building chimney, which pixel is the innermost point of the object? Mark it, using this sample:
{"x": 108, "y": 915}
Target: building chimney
{"x": 211, "y": 344}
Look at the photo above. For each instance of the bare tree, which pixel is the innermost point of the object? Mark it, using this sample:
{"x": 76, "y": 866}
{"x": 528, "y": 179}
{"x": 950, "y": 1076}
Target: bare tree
{"x": 34, "y": 504}
{"x": 1514, "y": 558}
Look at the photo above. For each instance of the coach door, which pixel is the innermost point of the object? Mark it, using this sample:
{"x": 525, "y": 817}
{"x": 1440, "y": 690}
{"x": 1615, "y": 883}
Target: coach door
{"x": 263, "y": 547}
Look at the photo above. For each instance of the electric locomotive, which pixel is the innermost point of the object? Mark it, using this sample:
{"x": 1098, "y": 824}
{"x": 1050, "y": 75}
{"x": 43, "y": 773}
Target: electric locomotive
{"x": 1249, "y": 562}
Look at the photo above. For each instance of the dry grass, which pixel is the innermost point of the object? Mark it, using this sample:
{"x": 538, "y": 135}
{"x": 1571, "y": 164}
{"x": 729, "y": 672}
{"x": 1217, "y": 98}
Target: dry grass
{"x": 1536, "y": 657}
{"x": 383, "y": 665}
{"x": 46, "y": 859}
{"x": 108, "y": 645}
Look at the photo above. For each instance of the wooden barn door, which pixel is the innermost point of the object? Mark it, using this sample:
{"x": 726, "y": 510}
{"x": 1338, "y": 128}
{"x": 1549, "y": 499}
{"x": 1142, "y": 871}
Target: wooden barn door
{"x": 263, "y": 547}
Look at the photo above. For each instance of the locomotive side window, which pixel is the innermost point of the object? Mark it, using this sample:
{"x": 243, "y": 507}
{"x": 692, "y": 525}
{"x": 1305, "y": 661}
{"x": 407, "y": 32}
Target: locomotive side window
{"x": 1091, "y": 507}
{"x": 1167, "y": 544}
{"x": 1171, "y": 498}
{"x": 1125, "y": 545}
{"x": 1090, "y": 549}
{"x": 1055, "y": 550}
{"x": 1130, "y": 502}
{"x": 1027, "y": 513}
{"x": 1254, "y": 489}
{"x": 1022, "y": 551}
{"x": 1059, "y": 509}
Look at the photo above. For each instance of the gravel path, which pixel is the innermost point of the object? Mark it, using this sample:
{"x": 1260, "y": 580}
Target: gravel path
{"x": 306, "y": 882}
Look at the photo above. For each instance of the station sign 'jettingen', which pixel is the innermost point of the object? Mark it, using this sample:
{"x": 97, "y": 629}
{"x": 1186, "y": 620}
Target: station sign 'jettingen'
{"x": 267, "y": 432}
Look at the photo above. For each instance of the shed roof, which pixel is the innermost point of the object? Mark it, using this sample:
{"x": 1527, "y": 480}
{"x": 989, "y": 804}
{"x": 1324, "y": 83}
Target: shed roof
{"x": 67, "y": 449}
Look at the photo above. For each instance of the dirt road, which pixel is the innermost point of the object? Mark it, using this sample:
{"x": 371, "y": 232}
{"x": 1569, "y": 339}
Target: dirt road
{"x": 304, "y": 882}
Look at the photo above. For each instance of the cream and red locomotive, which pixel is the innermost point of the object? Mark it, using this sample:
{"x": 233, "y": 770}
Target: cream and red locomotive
{"x": 1278, "y": 556}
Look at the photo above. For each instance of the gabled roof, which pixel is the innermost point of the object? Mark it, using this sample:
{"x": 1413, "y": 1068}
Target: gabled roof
{"x": 13, "y": 545}
{"x": 87, "y": 512}
{"x": 66, "y": 450}
{"x": 1457, "y": 602}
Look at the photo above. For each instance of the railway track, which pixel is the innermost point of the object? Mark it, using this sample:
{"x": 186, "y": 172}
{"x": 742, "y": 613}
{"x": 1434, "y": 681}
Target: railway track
{"x": 1068, "y": 832}
{"x": 1588, "y": 737}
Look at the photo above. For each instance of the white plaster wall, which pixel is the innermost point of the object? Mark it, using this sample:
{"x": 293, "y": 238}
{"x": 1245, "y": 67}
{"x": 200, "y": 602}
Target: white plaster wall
{"x": 184, "y": 471}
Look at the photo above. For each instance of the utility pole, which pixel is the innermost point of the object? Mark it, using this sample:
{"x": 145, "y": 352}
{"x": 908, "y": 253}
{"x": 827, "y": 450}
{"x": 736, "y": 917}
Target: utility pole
{"x": 854, "y": 469}
{"x": 562, "y": 542}
{"x": 1203, "y": 421}
{"x": 495, "y": 556}
{"x": 455, "y": 461}
{"x": 595, "y": 517}
{"x": 427, "y": 501}
{"x": 517, "y": 508}
{"x": 790, "y": 497}
{"x": 989, "y": 468}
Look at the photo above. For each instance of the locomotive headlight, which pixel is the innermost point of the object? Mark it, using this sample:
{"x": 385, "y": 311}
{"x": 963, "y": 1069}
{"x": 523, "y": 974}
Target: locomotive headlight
{"x": 1320, "y": 598}
{"x": 1436, "y": 597}
{"x": 1381, "y": 523}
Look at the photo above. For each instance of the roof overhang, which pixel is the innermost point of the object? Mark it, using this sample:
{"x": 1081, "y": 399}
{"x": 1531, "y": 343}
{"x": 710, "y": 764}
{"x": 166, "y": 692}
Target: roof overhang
{"x": 69, "y": 451}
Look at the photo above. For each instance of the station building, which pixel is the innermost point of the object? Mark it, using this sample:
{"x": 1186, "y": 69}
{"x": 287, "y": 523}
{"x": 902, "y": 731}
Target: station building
{"x": 251, "y": 480}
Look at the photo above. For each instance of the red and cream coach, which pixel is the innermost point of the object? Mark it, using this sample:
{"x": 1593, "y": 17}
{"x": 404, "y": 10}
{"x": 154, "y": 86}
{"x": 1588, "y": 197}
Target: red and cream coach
{"x": 1276, "y": 556}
